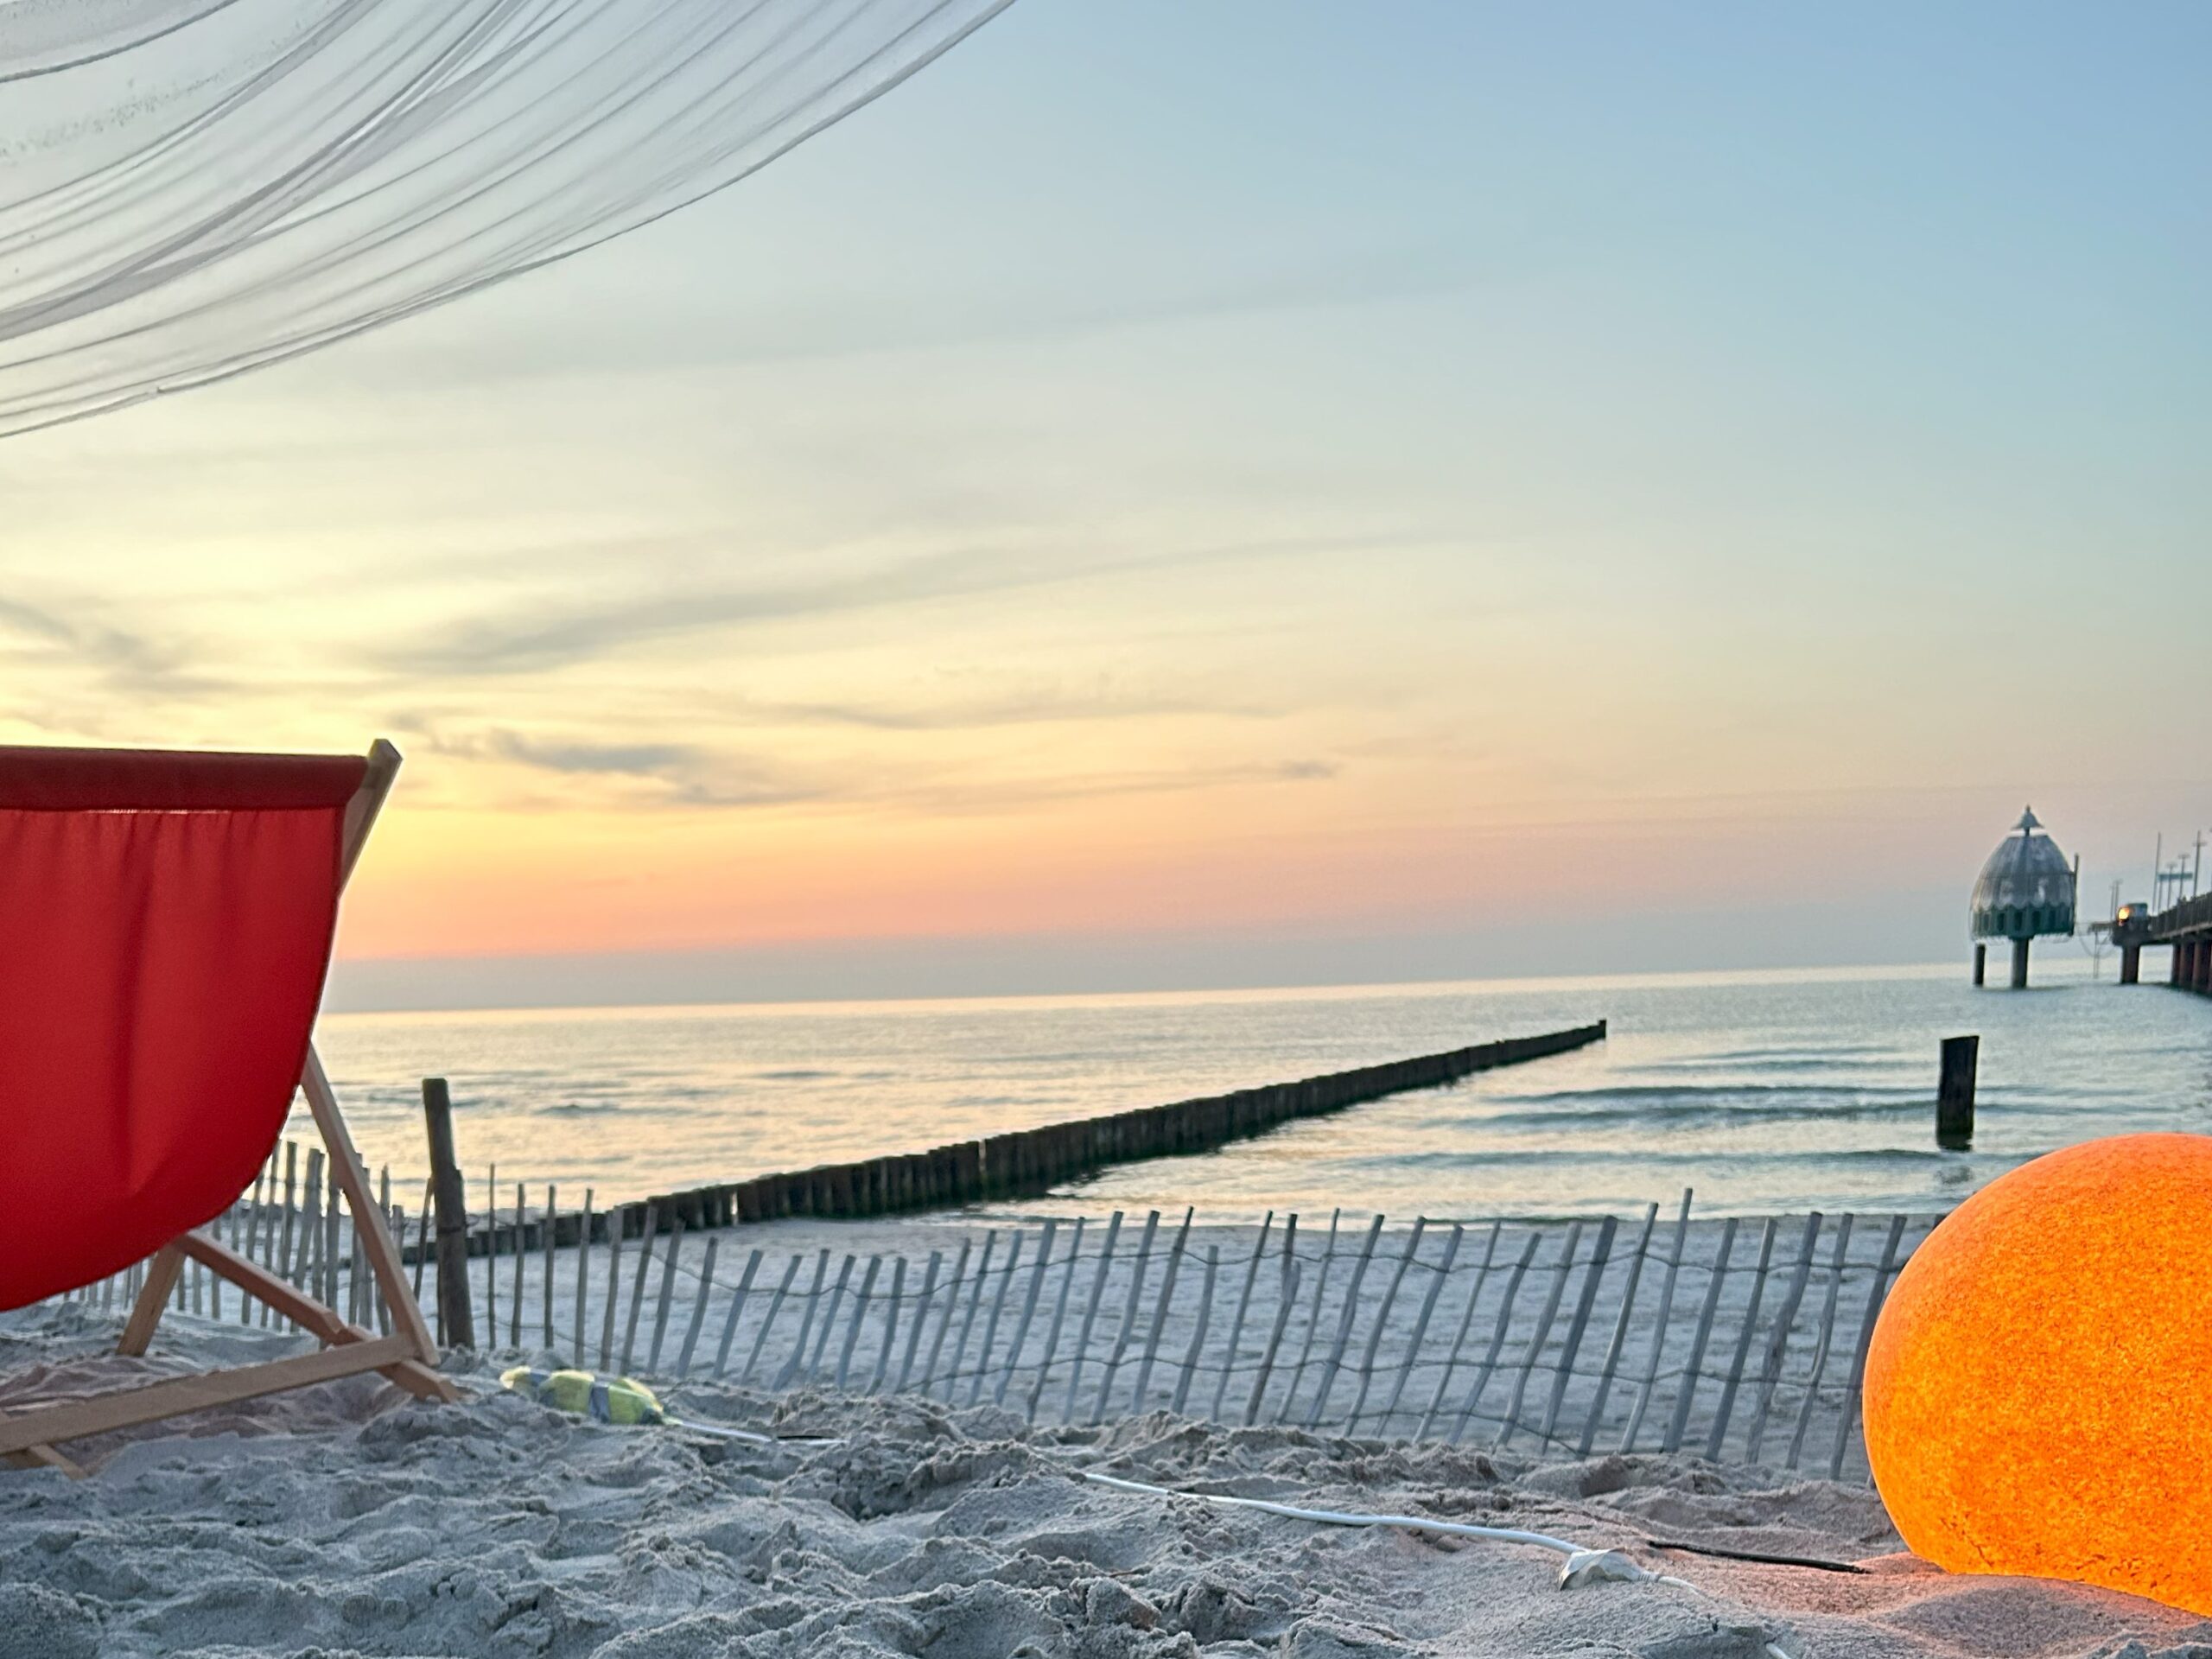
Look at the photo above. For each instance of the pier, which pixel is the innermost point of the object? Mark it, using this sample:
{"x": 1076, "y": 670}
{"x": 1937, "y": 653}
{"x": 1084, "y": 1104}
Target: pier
{"x": 2185, "y": 927}
{"x": 2029, "y": 890}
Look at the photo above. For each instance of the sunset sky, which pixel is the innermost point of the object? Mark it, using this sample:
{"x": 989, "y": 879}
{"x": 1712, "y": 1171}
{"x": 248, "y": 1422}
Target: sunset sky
{"x": 1245, "y": 492}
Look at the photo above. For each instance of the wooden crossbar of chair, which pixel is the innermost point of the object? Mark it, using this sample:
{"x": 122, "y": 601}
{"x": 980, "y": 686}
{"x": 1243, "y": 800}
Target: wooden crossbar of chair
{"x": 408, "y": 1357}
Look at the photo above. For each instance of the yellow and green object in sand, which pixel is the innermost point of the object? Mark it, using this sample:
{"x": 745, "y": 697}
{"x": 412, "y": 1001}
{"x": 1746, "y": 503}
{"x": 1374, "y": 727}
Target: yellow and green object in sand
{"x": 602, "y": 1399}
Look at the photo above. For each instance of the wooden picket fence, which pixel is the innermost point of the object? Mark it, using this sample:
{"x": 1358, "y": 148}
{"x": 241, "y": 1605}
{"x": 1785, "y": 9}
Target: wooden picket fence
{"x": 1739, "y": 1339}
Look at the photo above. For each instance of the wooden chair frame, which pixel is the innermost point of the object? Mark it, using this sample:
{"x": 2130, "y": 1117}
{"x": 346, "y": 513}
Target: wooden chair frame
{"x": 408, "y": 1357}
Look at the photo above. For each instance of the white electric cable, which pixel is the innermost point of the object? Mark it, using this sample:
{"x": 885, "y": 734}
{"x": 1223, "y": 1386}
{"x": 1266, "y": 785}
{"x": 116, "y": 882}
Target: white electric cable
{"x": 1338, "y": 1518}
{"x": 722, "y": 1432}
{"x": 751, "y": 1437}
{"x": 1583, "y": 1566}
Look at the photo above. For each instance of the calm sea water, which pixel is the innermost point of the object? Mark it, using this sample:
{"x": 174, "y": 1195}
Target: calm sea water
{"x": 1764, "y": 1091}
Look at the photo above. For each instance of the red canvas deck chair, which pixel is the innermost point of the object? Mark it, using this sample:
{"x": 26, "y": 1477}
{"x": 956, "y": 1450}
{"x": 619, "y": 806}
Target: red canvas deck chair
{"x": 165, "y": 925}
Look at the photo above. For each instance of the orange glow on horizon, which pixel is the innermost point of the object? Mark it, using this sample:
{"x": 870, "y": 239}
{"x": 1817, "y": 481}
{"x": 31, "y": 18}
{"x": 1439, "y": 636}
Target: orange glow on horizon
{"x": 495, "y": 881}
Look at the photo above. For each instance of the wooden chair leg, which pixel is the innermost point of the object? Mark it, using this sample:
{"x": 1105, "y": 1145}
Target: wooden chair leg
{"x": 43, "y": 1457}
{"x": 371, "y": 1234}
{"x": 352, "y": 1350}
{"x": 418, "y": 1378}
{"x": 161, "y": 1280}
{"x": 173, "y": 1396}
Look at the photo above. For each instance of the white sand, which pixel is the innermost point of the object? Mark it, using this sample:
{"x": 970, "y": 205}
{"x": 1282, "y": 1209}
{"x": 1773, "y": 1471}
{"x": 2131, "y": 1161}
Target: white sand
{"x": 345, "y": 1519}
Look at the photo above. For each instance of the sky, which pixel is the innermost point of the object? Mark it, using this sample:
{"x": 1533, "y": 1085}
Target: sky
{"x": 1246, "y": 492}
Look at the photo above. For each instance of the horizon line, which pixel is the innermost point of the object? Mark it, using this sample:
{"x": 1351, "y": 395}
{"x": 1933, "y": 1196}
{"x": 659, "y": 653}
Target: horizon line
{"x": 1803, "y": 973}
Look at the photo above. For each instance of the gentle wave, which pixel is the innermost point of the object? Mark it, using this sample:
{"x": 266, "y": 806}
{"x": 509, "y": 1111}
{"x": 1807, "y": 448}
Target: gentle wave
{"x": 1683, "y": 1114}
{"x": 1564, "y": 1156}
{"x": 1830, "y": 1065}
{"x": 1660, "y": 1094}
{"x": 1816, "y": 1053}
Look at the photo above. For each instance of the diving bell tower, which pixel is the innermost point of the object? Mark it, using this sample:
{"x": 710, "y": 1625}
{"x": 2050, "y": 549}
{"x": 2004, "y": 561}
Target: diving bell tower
{"x": 2025, "y": 892}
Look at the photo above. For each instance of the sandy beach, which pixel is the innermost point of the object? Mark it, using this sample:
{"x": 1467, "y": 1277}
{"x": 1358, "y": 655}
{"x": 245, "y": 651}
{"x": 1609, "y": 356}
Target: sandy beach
{"x": 345, "y": 1520}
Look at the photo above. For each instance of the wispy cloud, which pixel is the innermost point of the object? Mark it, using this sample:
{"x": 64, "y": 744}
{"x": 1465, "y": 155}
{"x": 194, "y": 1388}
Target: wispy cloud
{"x": 699, "y": 775}
{"x": 679, "y": 774}
{"x": 1029, "y": 706}
{"x": 1004, "y": 793}
{"x": 77, "y": 635}
{"x": 558, "y": 635}
{"x": 537, "y": 637}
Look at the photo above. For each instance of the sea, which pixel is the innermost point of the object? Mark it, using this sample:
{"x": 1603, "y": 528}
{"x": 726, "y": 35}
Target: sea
{"x": 1764, "y": 1092}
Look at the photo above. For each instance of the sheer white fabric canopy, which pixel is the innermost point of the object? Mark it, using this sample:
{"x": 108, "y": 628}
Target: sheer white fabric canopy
{"x": 192, "y": 188}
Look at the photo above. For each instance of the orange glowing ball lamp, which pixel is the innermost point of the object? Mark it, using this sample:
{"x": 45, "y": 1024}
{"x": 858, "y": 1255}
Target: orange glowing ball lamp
{"x": 2038, "y": 1395}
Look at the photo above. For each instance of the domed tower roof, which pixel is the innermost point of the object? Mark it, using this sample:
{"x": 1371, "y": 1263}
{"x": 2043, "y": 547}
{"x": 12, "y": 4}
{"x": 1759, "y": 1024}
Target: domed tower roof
{"x": 2026, "y": 889}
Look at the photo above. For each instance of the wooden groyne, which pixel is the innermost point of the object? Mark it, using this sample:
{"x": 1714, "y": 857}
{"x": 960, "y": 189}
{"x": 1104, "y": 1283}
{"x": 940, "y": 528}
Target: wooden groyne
{"x": 1034, "y": 1160}
{"x": 1021, "y": 1161}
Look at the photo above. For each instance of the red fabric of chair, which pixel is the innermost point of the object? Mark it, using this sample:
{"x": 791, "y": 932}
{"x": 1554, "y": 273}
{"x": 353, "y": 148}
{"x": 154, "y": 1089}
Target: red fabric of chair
{"x": 165, "y": 926}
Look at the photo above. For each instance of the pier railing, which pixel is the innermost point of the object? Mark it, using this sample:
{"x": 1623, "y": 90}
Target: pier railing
{"x": 2190, "y": 916}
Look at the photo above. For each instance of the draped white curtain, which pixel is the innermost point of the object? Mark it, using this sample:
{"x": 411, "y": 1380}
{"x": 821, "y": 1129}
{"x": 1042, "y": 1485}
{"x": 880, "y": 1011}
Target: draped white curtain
{"x": 192, "y": 188}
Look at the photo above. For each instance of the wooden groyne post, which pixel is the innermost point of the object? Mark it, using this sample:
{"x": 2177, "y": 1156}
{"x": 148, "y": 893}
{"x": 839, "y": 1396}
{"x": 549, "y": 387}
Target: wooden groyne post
{"x": 1954, "y": 1094}
{"x": 456, "y": 1325}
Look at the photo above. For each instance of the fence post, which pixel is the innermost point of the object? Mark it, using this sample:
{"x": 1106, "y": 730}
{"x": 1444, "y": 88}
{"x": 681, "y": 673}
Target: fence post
{"x": 452, "y": 1202}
